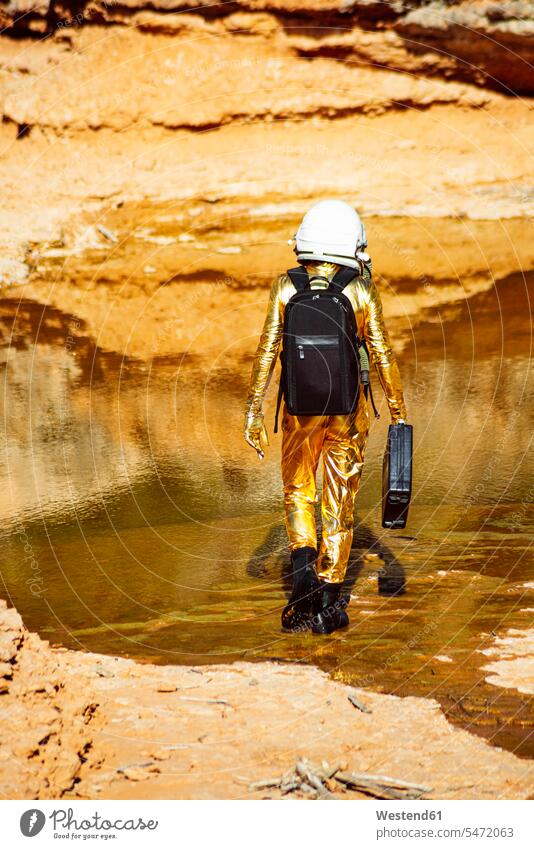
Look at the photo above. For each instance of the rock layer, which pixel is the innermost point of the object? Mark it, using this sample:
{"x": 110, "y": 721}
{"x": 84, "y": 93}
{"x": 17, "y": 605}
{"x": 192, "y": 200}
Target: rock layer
{"x": 258, "y": 102}
{"x": 486, "y": 42}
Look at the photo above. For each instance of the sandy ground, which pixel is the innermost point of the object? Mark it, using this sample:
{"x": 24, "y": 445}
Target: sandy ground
{"x": 75, "y": 724}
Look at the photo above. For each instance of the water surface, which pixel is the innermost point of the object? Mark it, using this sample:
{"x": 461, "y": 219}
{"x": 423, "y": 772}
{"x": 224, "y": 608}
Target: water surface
{"x": 136, "y": 521}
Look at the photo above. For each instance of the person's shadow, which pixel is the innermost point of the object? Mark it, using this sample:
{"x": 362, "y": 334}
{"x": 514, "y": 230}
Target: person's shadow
{"x": 367, "y": 550}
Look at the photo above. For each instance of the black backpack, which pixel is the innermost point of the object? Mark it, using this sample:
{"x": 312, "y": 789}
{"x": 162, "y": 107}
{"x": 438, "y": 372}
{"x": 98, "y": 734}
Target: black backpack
{"x": 321, "y": 370}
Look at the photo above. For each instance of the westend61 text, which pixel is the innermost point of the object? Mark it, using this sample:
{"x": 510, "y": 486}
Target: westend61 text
{"x": 408, "y": 815}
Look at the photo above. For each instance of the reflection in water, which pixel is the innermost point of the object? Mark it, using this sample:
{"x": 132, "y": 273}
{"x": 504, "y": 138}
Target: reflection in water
{"x": 368, "y": 547}
{"x": 136, "y": 521}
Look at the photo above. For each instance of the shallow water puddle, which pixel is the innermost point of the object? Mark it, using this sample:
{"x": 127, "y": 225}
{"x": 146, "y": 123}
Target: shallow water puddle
{"x": 135, "y": 520}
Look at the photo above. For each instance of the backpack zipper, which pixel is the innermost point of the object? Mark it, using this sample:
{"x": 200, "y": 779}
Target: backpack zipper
{"x": 301, "y": 351}
{"x": 342, "y": 305}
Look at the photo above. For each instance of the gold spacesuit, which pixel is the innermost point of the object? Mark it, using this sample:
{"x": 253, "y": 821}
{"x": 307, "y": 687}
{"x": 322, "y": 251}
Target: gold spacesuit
{"x": 339, "y": 439}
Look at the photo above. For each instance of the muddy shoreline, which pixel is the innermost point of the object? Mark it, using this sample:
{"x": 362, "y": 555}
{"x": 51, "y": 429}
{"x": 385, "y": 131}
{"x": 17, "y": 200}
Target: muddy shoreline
{"x": 81, "y": 725}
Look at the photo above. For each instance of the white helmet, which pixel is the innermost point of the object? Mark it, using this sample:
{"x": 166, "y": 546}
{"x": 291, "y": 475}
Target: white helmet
{"x": 331, "y": 231}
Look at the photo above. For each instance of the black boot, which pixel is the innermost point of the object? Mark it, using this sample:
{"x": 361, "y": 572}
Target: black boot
{"x": 329, "y": 613}
{"x": 296, "y": 614}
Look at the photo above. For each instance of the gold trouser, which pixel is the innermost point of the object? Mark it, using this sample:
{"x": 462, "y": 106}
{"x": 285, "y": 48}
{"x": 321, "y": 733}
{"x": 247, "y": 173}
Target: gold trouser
{"x": 341, "y": 441}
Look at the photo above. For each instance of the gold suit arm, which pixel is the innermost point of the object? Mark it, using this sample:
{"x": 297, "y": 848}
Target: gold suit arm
{"x": 266, "y": 352}
{"x": 382, "y": 355}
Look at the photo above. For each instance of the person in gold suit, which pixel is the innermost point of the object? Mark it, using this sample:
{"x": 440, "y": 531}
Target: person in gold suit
{"x": 330, "y": 236}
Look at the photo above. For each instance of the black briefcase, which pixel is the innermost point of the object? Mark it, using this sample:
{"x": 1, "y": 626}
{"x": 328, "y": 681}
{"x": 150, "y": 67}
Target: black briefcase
{"x": 397, "y": 476}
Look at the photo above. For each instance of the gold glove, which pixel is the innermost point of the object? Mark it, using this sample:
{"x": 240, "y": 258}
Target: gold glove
{"x": 255, "y": 433}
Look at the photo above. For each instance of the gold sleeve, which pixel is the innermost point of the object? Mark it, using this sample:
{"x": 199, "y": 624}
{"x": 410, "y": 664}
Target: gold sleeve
{"x": 267, "y": 351}
{"x": 382, "y": 355}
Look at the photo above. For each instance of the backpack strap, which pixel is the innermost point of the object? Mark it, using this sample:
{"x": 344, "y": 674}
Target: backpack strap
{"x": 299, "y": 278}
{"x": 280, "y": 391}
{"x": 278, "y": 403}
{"x": 343, "y": 277}
{"x": 366, "y": 375}
{"x": 301, "y": 281}
{"x": 368, "y": 390}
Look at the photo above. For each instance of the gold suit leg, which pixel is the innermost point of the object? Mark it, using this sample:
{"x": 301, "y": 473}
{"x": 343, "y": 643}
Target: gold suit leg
{"x": 343, "y": 455}
{"x": 302, "y": 443}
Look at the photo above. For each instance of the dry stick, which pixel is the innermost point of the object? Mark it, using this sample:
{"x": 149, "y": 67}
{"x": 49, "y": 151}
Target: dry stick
{"x": 381, "y": 787}
{"x": 358, "y": 704}
{"x": 289, "y": 786}
{"x": 389, "y": 782}
{"x": 310, "y": 779}
{"x": 377, "y": 792}
{"x": 326, "y": 771}
{"x": 268, "y": 782}
{"x": 307, "y": 788}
